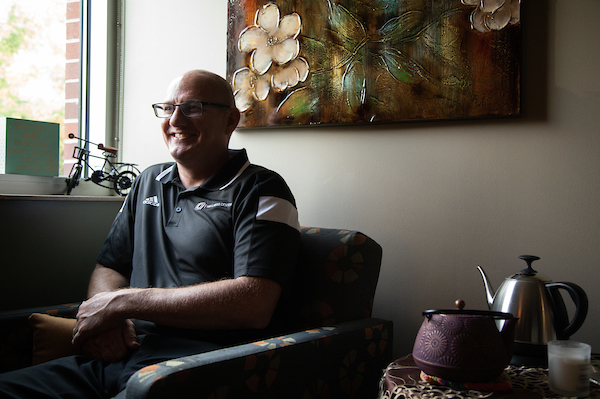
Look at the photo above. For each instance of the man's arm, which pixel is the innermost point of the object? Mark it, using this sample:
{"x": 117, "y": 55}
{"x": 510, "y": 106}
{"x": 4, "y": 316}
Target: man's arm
{"x": 244, "y": 302}
{"x": 105, "y": 279}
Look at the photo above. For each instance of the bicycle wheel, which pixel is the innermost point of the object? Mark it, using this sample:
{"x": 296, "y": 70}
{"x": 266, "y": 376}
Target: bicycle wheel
{"x": 128, "y": 167}
{"x": 73, "y": 179}
{"x": 123, "y": 182}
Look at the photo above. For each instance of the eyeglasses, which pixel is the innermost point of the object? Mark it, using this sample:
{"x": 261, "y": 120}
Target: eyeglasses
{"x": 191, "y": 109}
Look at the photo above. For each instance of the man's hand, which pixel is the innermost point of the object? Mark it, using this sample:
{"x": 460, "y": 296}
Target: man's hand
{"x": 102, "y": 331}
{"x": 112, "y": 345}
{"x": 98, "y": 314}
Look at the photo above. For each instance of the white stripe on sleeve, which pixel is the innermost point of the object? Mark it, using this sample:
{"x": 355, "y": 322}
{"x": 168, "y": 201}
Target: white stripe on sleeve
{"x": 276, "y": 209}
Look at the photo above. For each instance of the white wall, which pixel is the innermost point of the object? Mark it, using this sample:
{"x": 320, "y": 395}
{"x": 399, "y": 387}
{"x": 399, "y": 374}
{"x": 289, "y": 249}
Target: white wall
{"x": 441, "y": 198}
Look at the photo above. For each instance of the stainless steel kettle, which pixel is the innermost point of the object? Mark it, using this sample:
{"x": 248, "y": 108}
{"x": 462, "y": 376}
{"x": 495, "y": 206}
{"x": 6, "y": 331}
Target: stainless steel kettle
{"x": 537, "y": 302}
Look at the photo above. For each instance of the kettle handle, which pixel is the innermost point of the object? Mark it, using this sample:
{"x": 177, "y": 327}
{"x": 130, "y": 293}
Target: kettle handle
{"x": 563, "y": 328}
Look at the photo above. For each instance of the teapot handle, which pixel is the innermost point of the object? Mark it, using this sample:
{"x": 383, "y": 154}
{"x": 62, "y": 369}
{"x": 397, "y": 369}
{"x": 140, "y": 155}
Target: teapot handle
{"x": 563, "y": 328}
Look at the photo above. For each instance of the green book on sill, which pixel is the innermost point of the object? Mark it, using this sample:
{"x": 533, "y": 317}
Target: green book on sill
{"x": 29, "y": 147}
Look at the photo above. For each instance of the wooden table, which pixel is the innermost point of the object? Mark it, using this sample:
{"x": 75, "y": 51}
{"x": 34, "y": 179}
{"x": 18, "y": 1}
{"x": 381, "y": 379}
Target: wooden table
{"x": 402, "y": 380}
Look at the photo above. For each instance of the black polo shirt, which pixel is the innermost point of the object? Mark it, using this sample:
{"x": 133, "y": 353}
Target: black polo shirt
{"x": 241, "y": 222}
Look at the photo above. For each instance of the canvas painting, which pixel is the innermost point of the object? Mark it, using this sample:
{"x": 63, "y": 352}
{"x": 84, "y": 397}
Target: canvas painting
{"x": 338, "y": 62}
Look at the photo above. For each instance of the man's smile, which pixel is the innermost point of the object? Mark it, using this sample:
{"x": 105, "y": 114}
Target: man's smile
{"x": 181, "y": 135}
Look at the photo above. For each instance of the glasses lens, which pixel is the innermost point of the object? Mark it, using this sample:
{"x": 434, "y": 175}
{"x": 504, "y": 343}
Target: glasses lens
{"x": 163, "y": 110}
{"x": 191, "y": 108}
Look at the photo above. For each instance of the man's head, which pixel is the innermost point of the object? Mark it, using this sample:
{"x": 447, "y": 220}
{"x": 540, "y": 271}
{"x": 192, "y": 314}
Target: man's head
{"x": 193, "y": 139}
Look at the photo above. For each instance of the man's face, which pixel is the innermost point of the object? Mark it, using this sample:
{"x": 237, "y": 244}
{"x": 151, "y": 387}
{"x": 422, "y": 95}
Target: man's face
{"x": 199, "y": 138}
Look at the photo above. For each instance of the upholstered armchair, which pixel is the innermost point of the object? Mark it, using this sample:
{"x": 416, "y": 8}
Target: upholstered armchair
{"x": 337, "y": 349}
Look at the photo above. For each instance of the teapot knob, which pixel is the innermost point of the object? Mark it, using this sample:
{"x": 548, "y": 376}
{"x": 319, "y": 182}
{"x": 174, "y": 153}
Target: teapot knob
{"x": 460, "y": 304}
{"x": 529, "y": 271}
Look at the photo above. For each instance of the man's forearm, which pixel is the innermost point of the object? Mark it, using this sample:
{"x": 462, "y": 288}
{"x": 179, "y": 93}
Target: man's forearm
{"x": 244, "y": 302}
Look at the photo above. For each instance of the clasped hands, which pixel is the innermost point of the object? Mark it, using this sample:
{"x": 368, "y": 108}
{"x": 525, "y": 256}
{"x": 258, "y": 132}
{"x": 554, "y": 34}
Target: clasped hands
{"x": 101, "y": 332}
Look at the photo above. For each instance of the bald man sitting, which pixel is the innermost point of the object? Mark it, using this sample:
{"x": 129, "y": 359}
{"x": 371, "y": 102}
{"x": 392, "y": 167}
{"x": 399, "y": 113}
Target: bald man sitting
{"x": 199, "y": 257}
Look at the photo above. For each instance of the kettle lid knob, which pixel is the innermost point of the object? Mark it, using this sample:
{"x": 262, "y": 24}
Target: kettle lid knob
{"x": 529, "y": 271}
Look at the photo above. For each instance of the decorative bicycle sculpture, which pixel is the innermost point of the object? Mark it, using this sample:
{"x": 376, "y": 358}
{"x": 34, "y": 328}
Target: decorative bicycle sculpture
{"x": 118, "y": 176}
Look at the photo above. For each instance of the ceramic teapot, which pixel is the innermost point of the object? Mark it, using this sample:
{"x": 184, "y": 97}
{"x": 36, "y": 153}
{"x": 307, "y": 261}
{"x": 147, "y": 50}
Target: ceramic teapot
{"x": 537, "y": 302}
{"x": 464, "y": 345}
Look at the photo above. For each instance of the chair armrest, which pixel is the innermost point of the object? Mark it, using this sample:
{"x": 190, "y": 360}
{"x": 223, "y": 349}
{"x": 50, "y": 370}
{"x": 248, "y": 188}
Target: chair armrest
{"x": 16, "y": 336}
{"x": 339, "y": 361}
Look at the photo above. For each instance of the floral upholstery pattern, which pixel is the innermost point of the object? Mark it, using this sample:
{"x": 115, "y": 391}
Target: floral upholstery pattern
{"x": 336, "y": 349}
{"x": 345, "y": 361}
{"x": 336, "y": 277}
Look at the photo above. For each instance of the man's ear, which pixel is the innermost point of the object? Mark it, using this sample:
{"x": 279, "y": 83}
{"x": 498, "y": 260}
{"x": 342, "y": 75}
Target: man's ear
{"x": 233, "y": 120}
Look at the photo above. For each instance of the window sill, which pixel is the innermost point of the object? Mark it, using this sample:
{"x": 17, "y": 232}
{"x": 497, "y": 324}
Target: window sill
{"x": 62, "y": 198}
{"x": 23, "y": 185}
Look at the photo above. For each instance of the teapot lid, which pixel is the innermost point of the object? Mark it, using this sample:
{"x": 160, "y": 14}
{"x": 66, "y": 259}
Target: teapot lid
{"x": 460, "y": 304}
{"x": 529, "y": 273}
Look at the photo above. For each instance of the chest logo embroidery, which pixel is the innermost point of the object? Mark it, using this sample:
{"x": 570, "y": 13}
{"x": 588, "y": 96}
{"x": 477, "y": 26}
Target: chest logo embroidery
{"x": 153, "y": 201}
{"x": 203, "y": 205}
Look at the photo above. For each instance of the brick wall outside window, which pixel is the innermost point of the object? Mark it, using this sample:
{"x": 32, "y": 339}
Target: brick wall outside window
{"x": 73, "y": 22}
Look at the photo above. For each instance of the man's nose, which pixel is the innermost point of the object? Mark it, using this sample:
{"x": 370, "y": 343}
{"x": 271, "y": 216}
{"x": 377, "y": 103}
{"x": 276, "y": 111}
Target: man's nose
{"x": 177, "y": 118}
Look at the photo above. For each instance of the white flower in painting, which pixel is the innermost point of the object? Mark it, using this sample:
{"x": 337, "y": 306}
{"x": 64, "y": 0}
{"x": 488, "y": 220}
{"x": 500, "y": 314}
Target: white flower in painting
{"x": 270, "y": 39}
{"x": 273, "y": 46}
{"x": 493, "y": 14}
{"x": 290, "y": 75}
{"x": 248, "y": 87}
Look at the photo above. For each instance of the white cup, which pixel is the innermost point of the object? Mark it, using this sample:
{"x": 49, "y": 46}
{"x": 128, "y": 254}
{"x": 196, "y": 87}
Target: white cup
{"x": 569, "y": 367}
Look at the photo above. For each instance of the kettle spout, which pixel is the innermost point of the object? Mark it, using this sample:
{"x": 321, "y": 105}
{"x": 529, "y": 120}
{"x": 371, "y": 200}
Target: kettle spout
{"x": 508, "y": 335}
{"x": 489, "y": 291}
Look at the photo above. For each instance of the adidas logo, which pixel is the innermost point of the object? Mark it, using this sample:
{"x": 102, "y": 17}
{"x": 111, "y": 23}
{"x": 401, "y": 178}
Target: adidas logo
{"x": 152, "y": 201}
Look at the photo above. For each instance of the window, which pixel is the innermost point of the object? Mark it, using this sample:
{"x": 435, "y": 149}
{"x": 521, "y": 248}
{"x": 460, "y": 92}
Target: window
{"x": 58, "y": 61}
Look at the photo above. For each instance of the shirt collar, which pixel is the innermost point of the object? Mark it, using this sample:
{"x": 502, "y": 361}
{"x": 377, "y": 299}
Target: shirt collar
{"x": 220, "y": 180}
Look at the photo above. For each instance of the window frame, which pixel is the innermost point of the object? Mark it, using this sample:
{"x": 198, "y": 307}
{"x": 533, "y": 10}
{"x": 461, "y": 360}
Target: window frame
{"x": 100, "y": 96}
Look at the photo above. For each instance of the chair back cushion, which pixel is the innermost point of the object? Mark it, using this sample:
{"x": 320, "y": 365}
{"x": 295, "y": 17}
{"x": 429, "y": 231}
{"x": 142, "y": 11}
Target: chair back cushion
{"x": 336, "y": 277}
